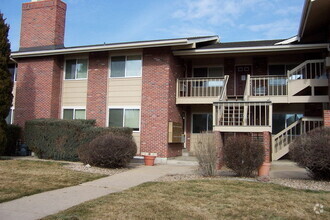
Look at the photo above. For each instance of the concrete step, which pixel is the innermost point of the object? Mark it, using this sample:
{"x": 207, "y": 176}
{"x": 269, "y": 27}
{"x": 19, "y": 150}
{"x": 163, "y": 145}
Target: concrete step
{"x": 183, "y": 160}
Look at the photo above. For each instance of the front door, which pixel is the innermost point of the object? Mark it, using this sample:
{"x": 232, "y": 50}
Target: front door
{"x": 241, "y": 75}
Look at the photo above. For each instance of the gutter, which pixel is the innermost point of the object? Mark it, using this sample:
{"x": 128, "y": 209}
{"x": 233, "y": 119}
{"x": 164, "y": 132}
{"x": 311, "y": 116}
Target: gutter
{"x": 251, "y": 49}
{"x": 100, "y": 48}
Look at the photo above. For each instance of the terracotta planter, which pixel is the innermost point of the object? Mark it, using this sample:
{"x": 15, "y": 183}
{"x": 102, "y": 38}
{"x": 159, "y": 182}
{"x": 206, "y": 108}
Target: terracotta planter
{"x": 264, "y": 169}
{"x": 149, "y": 160}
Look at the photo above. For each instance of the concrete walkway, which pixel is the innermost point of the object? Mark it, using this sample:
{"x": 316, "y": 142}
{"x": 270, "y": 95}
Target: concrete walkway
{"x": 51, "y": 202}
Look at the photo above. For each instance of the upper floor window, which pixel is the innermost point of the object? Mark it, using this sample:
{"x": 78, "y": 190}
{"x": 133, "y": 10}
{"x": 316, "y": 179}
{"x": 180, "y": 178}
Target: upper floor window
{"x": 126, "y": 66}
{"x": 74, "y": 113}
{"x": 208, "y": 71}
{"x": 76, "y": 69}
{"x": 13, "y": 71}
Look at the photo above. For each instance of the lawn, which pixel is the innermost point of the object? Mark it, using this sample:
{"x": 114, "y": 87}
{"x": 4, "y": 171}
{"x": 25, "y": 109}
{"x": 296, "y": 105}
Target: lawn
{"x": 204, "y": 199}
{"x": 20, "y": 178}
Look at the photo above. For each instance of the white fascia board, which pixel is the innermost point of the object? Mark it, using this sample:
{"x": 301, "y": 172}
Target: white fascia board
{"x": 100, "y": 48}
{"x": 250, "y": 49}
{"x": 199, "y": 40}
{"x": 288, "y": 41}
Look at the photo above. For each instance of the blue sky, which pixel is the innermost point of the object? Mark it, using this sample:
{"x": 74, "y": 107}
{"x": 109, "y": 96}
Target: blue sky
{"x": 98, "y": 21}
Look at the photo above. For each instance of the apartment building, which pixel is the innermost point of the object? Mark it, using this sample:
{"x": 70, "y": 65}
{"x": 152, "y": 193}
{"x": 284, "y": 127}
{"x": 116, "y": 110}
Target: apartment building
{"x": 169, "y": 91}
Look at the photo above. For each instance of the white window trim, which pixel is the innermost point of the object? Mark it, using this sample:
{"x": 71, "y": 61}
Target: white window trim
{"x": 125, "y": 55}
{"x": 75, "y": 74}
{"x": 124, "y": 108}
{"x": 74, "y": 110}
{"x": 208, "y": 67}
{"x": 192, "y": 121}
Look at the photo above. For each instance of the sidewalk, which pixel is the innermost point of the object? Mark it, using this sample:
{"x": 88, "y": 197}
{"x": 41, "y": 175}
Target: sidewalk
{"x": 51, "y": 202}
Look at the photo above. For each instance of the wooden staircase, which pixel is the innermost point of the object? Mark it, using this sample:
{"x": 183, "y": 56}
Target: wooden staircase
{"x": 282, "y": 140}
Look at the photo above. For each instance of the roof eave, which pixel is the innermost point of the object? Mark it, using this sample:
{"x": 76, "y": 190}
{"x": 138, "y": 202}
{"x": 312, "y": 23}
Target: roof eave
{"x": 250, "y": 49}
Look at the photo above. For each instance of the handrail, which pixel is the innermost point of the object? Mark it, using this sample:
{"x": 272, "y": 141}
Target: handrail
{"x": 287, "y": 128}
{"x": 224, "y": 91}
{"x": 303, "y": 66}
{"x": 282, "y": 140}
{"x": 247, "y": 91}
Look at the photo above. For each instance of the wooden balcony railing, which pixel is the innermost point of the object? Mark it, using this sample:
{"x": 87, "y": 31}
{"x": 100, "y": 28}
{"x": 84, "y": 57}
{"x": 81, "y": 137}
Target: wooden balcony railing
{"x": 243, "y": 114}
{"x": 268, "y": 85}
{"x": 310, "y": 69}
{"x": 201, "y": 87}
{"x": 282, "y": 140}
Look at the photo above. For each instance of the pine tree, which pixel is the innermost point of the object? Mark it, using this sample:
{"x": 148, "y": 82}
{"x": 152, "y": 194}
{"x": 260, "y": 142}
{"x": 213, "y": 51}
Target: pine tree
{"x": 6, "y": 85}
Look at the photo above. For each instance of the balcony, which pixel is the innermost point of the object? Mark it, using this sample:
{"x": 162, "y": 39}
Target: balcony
{"x": 302, "y": 84}
{"x": 200, "y": 90}
{"x": 242, "y": 116}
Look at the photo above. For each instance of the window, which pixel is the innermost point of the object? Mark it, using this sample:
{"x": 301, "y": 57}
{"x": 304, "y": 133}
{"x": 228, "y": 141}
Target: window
{"x": 9, "y": 118}
{"x": 121, "y": 117}
{"x": 72, "y": 113}
{"x": 202, "y": 122}
{"x": 208, "y": 72}
{"x": 126, "y": 66}
{"x": 280, "y": 69}
{"x": 13, "y": 71}
{"x": 76, "y": 69}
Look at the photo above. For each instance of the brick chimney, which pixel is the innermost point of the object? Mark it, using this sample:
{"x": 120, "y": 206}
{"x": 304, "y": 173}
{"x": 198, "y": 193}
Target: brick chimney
{"x": 43, "y": 24}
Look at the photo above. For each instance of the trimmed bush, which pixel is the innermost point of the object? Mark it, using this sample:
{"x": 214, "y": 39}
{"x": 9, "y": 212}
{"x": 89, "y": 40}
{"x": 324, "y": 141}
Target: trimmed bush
{"x": 110, "y": 151}
{"x": 206, "y": 153}
{"x": 13, "y": 133}
{"x": 59, "y": 139}
{"x": 312, "y": 151}
{"x": 243, "y": 155}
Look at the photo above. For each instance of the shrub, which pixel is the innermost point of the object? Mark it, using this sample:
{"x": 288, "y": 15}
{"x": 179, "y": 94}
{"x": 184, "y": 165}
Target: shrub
{"x": 13, "y": 133}
{"x": 312, "y": 151}
{"x": 243, "y": 155}
{"x": 59, "y": 139}
{"x": 110, "y": 150}
{"x": 206, "y": 153}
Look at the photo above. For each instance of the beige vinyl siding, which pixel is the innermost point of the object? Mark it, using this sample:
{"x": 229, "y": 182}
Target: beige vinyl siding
{"x": 194, "y": 141}
{"x": 125, "y": 91}
{"x": 74, "y": 93}
{"x": 136, "y": 137}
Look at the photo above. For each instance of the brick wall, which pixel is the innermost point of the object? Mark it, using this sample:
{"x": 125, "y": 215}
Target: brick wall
{"x": 158, "y": 107}
{"x": 97, "y": 87}
{"x": 326, "y": 118}
{"x": 267, "y": 145}
{"x": 43, "y": 24}
{"x": 38, "y": 89}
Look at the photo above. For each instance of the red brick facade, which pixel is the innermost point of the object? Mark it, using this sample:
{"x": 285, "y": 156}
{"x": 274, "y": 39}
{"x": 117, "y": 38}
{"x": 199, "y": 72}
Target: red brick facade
{"x": 97, "y": 87}
{"x": 326, "y": 118}
{"x": 38, "y": 89}
{"x": 43, "y": 24}
{"x": 160, "y": 70}
{"x": 267, "y": 145}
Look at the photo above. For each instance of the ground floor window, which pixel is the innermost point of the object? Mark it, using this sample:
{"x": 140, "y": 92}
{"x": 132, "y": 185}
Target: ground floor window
{"x": 10, "y": 117}
{"x": 125, "y": 117}
{"x": 202, "y": 122}
{"x": 282, "y": 121}
{"x": 74, "y": 113}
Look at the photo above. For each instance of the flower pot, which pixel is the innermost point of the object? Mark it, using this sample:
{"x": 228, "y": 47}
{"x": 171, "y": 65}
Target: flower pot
{"x": 264, "y": 169}
{"x": 149, "y": 160}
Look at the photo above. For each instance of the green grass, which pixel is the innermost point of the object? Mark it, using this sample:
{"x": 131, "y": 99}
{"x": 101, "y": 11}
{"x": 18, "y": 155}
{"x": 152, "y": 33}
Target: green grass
{"x": 203, "y": 199}
{"x": 20, "y": 178}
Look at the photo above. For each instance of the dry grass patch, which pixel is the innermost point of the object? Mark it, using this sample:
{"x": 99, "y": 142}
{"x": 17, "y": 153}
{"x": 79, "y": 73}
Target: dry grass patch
{"x": 20, "y": 178}
{"x": 203, "y": 199}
